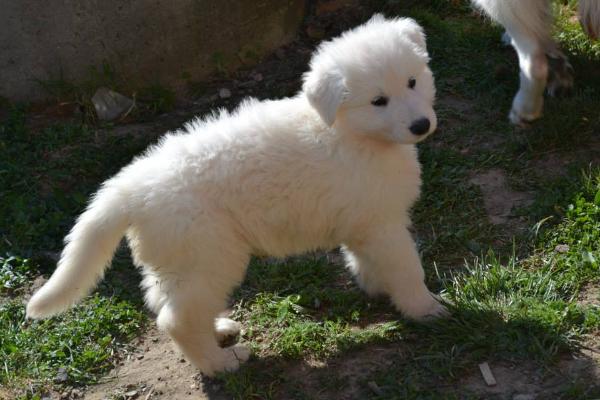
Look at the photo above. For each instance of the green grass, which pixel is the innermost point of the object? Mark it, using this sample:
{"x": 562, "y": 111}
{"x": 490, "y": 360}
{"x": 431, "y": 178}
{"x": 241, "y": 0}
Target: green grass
{"x": 149, "y": 100}
{"x": 45, "y": 179}
{"x": 15, "y": 272}
{"x": 570, "y": 34}
{"x": 82, "y": 341}
{"x": 513, "y": 310}
{"x": 295, "y": 308}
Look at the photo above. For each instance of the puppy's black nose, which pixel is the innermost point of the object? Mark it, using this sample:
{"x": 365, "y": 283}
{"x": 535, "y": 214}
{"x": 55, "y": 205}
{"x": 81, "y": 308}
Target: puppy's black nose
{"x": 420, "y": 126}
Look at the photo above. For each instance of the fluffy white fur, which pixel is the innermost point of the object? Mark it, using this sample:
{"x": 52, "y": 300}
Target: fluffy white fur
{"x": 528, "y": 24}
{"x": 322, "y": 169}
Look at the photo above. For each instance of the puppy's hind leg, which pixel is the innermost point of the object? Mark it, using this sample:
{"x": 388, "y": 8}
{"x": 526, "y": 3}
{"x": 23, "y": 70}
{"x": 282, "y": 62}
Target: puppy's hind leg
{"x": 387, "y": 262}
{"x": 226, "y": 329}
{"x": 190, "y": 312}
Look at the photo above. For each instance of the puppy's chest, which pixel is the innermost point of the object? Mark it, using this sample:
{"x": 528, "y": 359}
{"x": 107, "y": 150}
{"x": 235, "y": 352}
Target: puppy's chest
{"x": 395, "y": 174}
{"x": 394, "y": 190}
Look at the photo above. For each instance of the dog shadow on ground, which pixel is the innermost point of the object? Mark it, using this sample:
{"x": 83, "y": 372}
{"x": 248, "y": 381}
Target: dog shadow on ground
{"x": 441, "y": 355}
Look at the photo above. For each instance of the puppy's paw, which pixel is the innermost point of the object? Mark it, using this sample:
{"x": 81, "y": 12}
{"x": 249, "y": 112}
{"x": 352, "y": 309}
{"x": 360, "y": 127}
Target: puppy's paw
{"x": 226, "y": 329}
{"x": 226, "y": 359}
{"x": 436, "y": 311}
{"x": 428, "y": 309}
{"x": 233, "y": 357}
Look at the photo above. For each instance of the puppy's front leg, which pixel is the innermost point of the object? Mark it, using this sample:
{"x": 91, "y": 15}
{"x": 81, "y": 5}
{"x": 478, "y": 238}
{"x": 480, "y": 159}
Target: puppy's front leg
{"x": 387, "y": 262}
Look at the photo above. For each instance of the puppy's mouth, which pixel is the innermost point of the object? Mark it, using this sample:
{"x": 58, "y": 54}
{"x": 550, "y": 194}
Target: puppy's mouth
{"x": 406, "y": 137}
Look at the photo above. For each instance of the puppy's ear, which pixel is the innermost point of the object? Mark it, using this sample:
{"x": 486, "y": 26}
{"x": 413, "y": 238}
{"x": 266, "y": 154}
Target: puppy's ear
{"x": 415, "y": 32}
{"x": 325, "y": 91}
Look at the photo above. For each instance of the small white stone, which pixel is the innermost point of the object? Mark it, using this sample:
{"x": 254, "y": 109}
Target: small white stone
{"x": 110, "y": 105}
{"x": 524, "y": 397}
{"x": 224, "y": 93}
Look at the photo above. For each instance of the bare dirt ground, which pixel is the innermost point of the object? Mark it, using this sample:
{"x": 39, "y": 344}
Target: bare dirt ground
{"x": 155, "y": 370}
{"x": 499, "y": 199}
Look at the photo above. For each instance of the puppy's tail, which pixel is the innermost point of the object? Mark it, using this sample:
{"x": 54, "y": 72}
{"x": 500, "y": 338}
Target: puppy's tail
{"x": 589, "y": 17}
{"x": 89, "y": 249}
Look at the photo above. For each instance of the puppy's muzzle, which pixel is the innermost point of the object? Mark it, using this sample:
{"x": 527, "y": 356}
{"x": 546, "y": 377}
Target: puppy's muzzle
{"x": 420, "y": 126}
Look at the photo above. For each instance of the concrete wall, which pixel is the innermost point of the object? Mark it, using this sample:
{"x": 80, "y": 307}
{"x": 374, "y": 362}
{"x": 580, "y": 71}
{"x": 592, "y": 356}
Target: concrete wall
{"x": 144, "y": 41}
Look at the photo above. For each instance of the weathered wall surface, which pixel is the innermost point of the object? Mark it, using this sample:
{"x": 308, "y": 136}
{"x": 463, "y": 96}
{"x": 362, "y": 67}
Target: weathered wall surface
{"x": 145, "y": 42}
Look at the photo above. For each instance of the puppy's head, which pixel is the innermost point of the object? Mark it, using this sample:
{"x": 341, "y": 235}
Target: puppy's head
{"x": 374, "y": 80}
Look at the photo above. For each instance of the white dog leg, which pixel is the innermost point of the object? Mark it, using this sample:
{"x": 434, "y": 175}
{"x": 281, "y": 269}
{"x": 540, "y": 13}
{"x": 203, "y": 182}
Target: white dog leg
{"x": 528, "y": 24}
{"x": 226, "y": 328}
{"x": 194, "y": 299}
{"x": 191, "y": 326}
{"x": 388, "y": 262}
{"x": 529, "y": 101}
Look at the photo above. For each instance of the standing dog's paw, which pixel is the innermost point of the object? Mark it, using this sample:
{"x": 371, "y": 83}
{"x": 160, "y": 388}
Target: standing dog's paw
{"x": 521, "y": 121}
{"x": 526, "y": 108}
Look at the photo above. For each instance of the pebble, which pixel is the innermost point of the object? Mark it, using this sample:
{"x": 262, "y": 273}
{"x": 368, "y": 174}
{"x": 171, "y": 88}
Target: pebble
{"x": 110, "y": 105}
{"x": 224, "y": 93}
{"x": 61, "y": 376}
{"x": 375, "y": 388}
{"x": 317, "y": 303}
{"x": 248, "y": 84}
{"x": 524, "y": 397}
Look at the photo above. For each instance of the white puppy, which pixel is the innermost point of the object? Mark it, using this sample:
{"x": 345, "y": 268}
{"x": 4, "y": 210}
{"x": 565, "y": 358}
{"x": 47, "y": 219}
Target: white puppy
{"x": 334, "y": 165}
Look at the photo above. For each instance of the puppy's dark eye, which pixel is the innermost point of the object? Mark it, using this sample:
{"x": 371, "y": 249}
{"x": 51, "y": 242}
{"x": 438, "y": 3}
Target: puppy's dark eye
{"x": 380, "y": 101}
{"x": 411, "y": 83}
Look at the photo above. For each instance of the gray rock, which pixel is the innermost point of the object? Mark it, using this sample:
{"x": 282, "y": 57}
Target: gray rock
{"x": 61, "y": 376}
{"x": 375, "y": 388}
{"x": 526, "y": 396}
{"x": 224, "y": 93}
{"x": 110, "y": 105}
